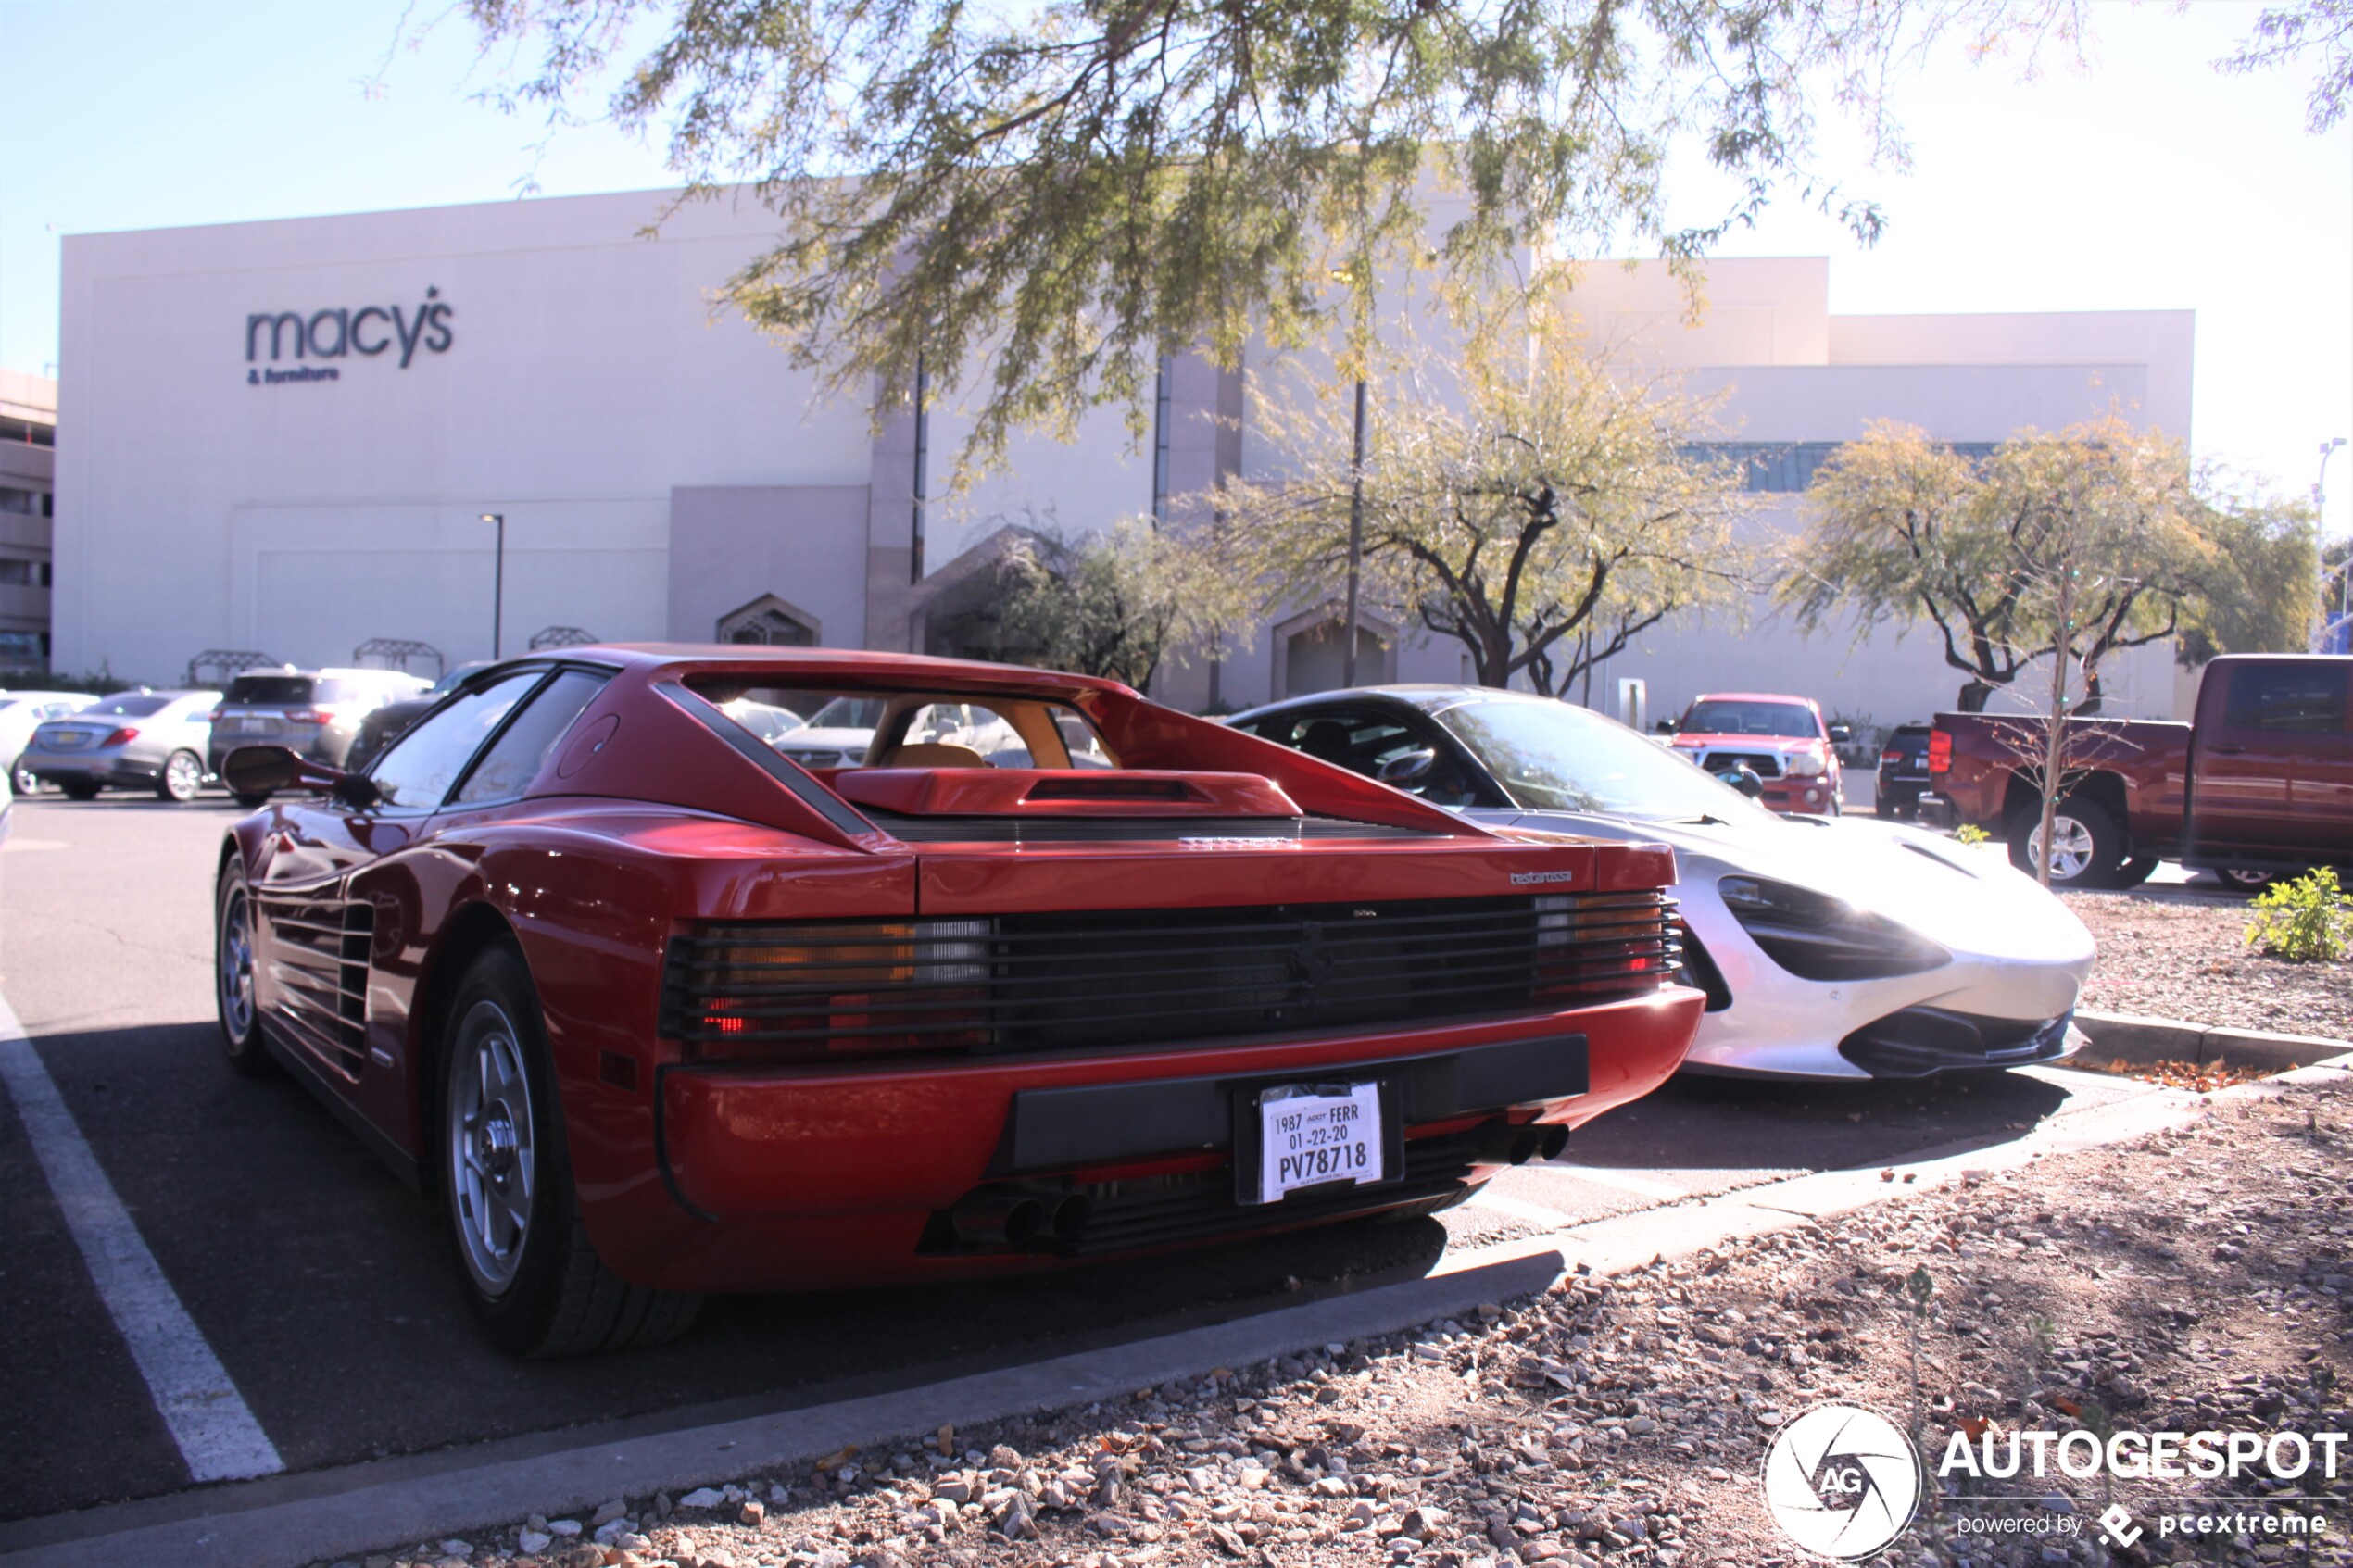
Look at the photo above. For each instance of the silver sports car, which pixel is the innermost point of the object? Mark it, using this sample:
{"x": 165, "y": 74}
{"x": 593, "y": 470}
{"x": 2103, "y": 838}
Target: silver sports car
{"x": 1828, "y": 950}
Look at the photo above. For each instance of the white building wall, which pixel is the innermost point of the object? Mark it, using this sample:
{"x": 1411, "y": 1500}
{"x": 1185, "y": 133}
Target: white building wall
{"x": 589, "y": 383}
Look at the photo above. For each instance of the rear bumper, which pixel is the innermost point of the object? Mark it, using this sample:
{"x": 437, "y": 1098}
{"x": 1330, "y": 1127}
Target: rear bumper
{"x": 91, "y": 767}
{"x": 1938, "y": 812}
{"x": 790, "y": 1178}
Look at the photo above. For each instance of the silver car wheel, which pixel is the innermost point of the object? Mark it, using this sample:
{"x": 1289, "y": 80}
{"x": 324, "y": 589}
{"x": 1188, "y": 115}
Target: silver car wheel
{"x": 493, "y": 1171}
{"x": 2071, "y": 848}
{"x": 236, "y": 965}
{"x": 183, "y": 776}
{"x": 24, "y": 781}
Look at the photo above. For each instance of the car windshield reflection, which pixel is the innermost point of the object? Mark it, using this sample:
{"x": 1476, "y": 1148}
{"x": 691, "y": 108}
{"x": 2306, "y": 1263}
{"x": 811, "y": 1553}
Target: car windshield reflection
{"x": 1550, "y": 757}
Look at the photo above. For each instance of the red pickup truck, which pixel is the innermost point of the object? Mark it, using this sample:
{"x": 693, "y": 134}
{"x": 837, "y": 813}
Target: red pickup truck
{"x": 2258, "y": 784}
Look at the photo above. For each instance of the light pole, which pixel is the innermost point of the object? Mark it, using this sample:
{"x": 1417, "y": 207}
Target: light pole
{"x": 498, "y": 582}
{"x": 1355, "y": 539}
{"x": 2320, "y": 521}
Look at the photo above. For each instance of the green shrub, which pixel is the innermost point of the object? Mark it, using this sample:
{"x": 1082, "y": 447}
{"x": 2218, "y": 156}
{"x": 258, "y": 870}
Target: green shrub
{"x": 2307, "y": 921}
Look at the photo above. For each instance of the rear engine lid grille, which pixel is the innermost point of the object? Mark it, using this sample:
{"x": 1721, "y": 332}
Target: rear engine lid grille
{"x": 1110, "y": 979}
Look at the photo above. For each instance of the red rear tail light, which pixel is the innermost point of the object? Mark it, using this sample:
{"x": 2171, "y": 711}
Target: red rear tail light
{"x": 214, "y": 717}
{"x": 120, "y": 737}
{"x": 845, "y": 995}
{"x": 1891, "y": 756}
{"x": 1940, "y": 751}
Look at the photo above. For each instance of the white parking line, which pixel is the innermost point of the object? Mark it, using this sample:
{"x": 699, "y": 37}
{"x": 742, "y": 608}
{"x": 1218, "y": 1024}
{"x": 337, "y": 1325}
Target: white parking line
{"x": 1619, "y": 1179}
{"x": 218, "y": 1435}
{"x": 1535, "y": 1213}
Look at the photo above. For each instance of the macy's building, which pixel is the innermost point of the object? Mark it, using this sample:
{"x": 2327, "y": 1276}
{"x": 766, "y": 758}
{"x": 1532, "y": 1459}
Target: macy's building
{"x": 282, "y": 437}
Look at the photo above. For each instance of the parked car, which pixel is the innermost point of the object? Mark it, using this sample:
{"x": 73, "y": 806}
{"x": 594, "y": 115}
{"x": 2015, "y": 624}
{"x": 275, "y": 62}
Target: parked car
{"x": 20, "y": 713}
{"x": 1783, "y": 740}
{"x": 2258, "y": 784}
{"x": 132, "y": 740}
{"x": 1903, "y": 771}
{"x": 1828, "y": 950}
{"x": 313, "y": 713}
{"x": 653, "y": 1011}
{"x": 837, "y": 735}
{"x": 380, "y": 724}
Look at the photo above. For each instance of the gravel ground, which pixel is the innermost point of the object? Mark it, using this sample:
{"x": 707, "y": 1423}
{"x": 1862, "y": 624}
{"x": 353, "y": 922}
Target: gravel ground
{"x": 2166, "y": 954}
{"x": 2190, "y": 1281}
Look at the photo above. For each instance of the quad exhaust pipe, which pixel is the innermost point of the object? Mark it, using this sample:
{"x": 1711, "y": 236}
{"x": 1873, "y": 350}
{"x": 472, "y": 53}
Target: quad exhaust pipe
{"x": 1023, "y": 1219}
{"x": 1501, "y": 1143}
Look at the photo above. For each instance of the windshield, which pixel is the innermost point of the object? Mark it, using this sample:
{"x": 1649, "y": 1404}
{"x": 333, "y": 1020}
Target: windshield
{"x": 1550, "y": 757}
{"x": 1718, "y": 716}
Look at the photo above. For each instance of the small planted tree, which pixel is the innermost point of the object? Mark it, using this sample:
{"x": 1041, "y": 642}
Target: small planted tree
{"x": 1543, "y": 515}
{"x": 1117, "y": 602}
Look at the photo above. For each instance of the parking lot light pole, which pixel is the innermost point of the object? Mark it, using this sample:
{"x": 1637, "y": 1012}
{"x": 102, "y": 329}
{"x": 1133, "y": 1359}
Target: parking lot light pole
{"x": 1355, "y": 540}
{"x": 497, "y": 581}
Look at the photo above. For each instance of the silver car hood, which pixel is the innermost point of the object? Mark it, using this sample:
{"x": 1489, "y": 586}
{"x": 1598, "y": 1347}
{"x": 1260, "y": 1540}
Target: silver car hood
{"x": 1966, "y": 900}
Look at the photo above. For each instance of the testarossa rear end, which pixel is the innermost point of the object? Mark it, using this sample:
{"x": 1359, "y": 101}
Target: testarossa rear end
{"x": 1055, "y": 972}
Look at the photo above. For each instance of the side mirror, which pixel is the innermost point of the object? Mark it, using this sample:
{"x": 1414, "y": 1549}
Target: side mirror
{"x": 1407, "y": 767}
{"x": 1743, "y": 778}
{"x": 259, "y": 769}
{"x": 266, "y": 769}
{"x": 1841, "y": 735}
{"x": 1665, "y": 726}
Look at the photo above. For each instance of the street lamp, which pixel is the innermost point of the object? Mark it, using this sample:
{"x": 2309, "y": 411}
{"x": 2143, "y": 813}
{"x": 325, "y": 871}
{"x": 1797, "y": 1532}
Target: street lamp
{"x": 2319, "y": 523}
{"x": 497, "y": 581}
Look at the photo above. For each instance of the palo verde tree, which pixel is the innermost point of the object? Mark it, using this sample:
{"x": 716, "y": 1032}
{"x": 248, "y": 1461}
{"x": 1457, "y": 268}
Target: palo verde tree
{"x": 1906, "y": 530}
{"x": 2058, "y": 551}
{"x": 1542, "y": 514}
{"x": 1040, "y": 202}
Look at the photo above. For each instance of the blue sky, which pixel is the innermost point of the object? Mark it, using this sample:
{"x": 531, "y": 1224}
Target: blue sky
{"x": 2143, "y": 181}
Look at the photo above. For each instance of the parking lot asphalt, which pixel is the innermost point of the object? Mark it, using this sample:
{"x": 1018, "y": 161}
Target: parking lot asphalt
{"x": 324, "y": 1287}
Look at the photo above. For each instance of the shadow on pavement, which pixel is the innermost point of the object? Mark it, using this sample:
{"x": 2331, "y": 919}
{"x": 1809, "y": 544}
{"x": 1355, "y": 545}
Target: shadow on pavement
{"x": 1729, "y": 1123}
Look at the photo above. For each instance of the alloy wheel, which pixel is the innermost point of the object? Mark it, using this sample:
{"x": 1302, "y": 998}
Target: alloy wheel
{"x": 235, "y": 965}
{"x": 2071, "y": 848}
{"x": 492, "y": 1149}
{"x": 183, "y": 776}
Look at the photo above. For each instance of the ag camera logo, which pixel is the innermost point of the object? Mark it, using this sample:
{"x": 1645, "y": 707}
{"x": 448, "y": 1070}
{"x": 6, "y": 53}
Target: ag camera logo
{"x": 1841, "y": 1482}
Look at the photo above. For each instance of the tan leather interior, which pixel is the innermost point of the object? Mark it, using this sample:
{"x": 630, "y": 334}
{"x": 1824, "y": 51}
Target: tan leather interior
{"x": 932, "y": 754}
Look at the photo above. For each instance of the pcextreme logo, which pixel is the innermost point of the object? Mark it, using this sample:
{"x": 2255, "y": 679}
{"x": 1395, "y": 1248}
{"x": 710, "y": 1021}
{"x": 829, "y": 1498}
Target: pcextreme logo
{"x": 340, "y": 332}
{"x": 1841, "y": 1482}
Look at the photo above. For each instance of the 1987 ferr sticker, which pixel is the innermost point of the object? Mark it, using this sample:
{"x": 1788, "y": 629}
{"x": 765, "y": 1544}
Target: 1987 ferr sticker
{"x": 1310, "y": 1134}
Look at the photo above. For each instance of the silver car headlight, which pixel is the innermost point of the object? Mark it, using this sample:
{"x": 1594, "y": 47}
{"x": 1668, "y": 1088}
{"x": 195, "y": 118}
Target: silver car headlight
{"x": 1816, "y": 936}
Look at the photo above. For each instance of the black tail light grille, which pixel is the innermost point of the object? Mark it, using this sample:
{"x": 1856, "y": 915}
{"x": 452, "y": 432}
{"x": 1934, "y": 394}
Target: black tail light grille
{"x": 1105, "y": 980}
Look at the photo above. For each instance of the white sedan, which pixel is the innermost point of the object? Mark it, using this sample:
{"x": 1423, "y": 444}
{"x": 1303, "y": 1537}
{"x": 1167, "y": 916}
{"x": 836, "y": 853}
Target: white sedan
{"x": 1845, "y": 948}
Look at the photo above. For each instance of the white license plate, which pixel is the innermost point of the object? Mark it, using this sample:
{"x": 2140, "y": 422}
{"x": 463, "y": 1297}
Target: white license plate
{"x": 1311, "y": 1134}
{"x": 255, "y": 726}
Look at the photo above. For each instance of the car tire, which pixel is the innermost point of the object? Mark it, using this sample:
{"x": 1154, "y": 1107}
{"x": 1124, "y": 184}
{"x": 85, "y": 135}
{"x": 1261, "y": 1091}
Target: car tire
{"x": 529, "y": 1271}
{"x": 232, "y": 971}
{"x": 79, "y": 789}
{"x": 22, "y": 778}
{"x": 2089, "y": 848}
{"x": 2246, "y": 880}
{"x": 181, "y": 777}
{"x": 252, "y": 802}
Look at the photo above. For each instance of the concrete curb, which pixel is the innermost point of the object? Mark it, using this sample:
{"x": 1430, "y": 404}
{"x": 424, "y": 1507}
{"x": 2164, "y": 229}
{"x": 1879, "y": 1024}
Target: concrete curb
{"x": 2117, "y": 1036}
{"x": 289, "y": 1521}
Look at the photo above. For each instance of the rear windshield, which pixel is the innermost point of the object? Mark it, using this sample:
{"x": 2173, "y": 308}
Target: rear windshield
{"x": 908, "y": 729}
{"x": 271, "y": 689}
{"x": 126, "y": 708}
{"x": 1781, "y": 720}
